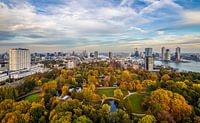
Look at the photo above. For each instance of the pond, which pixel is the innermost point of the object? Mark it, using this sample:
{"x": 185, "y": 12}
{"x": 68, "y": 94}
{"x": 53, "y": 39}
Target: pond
{"x": 113, "y": 105}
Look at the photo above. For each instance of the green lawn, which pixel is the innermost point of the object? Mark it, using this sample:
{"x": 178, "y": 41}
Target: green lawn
{"x": 109, "y": 92}
{"x": 134, "y": 103}
{"x": 33, "y": 98}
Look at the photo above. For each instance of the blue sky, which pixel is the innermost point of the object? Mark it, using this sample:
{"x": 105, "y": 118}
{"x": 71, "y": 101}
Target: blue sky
{"x": 104, "y": 25}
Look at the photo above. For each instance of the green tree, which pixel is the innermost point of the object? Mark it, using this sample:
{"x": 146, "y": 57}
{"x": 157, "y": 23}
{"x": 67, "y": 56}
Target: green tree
{"x": 118, "y": 93}
{"x": 148, "y": 119}
{"x": 82, "y": 119}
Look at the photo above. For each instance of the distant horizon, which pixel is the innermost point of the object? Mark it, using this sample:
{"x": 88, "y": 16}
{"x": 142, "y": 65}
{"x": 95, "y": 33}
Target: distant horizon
{"x": 89, "y": 51}
{"x": 117, "y": 25}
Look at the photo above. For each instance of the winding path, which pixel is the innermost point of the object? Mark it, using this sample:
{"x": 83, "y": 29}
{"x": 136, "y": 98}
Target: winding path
{"x": 139, "y": 115}
{"x": 105, "y": 87}
{"x": 28, "y": 94}
{"x": 131, "y": 93}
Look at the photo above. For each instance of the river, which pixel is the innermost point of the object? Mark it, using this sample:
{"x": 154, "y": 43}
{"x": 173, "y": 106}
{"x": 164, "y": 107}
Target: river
{"x": 182, "y": 66}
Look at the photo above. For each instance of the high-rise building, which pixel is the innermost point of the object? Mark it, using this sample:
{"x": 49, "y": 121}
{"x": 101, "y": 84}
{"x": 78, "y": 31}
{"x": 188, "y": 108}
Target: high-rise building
{"x": 178, "y": 54}
{"x": 136, "y": 53}
{"x": 149, "y": 59}
{"x": 19, "y": 59}
{"x": 149, "y": 63}
{"x": 163, "y": 53}
{"x": 96, "y": 54}
{"x": 85, "y": 54}
{"x": 167, "y": 55}
{"x": 110, "y": 55}
{"x": 148, "y": 52}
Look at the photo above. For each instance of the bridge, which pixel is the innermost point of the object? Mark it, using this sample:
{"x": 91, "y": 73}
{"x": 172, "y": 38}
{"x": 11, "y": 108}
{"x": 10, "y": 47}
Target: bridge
{"x": 109, "y": 98}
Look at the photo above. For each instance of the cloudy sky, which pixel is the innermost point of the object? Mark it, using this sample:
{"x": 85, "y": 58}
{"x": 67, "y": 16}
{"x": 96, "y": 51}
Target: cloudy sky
{"x": 104, "y": 25}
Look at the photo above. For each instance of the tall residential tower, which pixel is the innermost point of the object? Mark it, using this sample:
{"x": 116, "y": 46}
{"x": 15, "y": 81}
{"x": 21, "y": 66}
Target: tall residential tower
{"x": 19, "y": 59}
{"x": 148, "y": 59}
{"x": 167, "y": 55}
{"x": 163, "y": 53}
{"x": 178, "y": 54}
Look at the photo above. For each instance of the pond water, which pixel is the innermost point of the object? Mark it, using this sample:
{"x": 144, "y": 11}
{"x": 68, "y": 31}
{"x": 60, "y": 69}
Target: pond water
{"x": 113, "y": 105}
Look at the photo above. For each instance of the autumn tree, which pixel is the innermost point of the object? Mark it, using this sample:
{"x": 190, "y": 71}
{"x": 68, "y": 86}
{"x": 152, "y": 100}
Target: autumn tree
{"x": 173, "y": 103}
{"x": 82, "y": 119}
{"x": 118, "y": 93}
{"x": 165, "y": 77}
{"x": 148, "y": 119}
{"x": 105, "y": 112}
{"x": 11, "y": 111}
{"x": 92, "y": 80}
{"x": 64, "y": 90}
{"x": 37, "y": 112}
{"x": 120, "y": 116}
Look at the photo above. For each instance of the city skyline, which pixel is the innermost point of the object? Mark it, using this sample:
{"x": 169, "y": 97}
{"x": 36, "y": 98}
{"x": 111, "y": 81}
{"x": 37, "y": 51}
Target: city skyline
{"x": 64, "y": 25}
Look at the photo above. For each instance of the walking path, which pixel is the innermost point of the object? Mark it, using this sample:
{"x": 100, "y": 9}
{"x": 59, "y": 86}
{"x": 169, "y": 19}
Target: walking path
{"x": 105, "y": 87}
{"x": 28, "y": 94}
{"x": 139, "y": 115}
{"x": 131, "y": 93}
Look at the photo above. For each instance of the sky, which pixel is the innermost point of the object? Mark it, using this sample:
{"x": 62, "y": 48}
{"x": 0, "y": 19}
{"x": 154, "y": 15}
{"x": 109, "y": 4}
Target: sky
{"x": 103, "y": 25}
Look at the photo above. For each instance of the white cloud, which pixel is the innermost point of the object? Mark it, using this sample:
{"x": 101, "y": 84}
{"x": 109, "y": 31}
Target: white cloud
{"x": 191, "y": 17}
{"x": 137, "y": 29}
{"x": 157, "y": 4}
{"x": 160, "y": 32}
{"x": 91, "y": 20}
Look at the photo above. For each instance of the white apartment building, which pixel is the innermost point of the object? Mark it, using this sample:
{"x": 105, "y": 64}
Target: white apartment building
{"x": 19, "y": 59}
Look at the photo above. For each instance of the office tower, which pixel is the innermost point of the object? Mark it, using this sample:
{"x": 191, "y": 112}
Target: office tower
{"x": 110, "y": 55}
{"x": 148, "y": 52}
{"x": 136, "y": 53}
{"x": 19, "y": 59}
{"x": 178, "y": 54}
{"x": 149, "y": 59}
{"x": 96, "y": 54}
{"x": 149, "y": 63}
{"x": 85, "y": 54}
{"x": 163, "y": 53}
{"x": 167, "y": 55}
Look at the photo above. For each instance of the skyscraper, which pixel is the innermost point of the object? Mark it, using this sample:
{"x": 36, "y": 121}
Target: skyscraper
{"x": 19, "y": 59}
{"x": 163, "y": 53}
{"x": 167, "y": 55}
{"x": 96, "y": 54}
{"x": 149, "y": 63}
{"x": 148, "y": 52}
{"x": 148, "y": 59}
{"x": 178, "y": 54}
{"x": 136, "y": 53}
{"x": 110, "y": 55}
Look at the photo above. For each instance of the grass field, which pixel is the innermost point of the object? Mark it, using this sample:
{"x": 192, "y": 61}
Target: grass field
{"x": 33, "y": 98}
{"x": 134, "y": 103}
{"x": 109, "y": 92}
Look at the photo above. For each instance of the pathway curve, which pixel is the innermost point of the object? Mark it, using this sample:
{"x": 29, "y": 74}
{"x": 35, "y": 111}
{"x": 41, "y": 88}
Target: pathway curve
{"x": 28, "y": 94}
{"x": 105, "y": 87}
{"x": 131, "y": 93}
{"x": 137, "y": 114}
